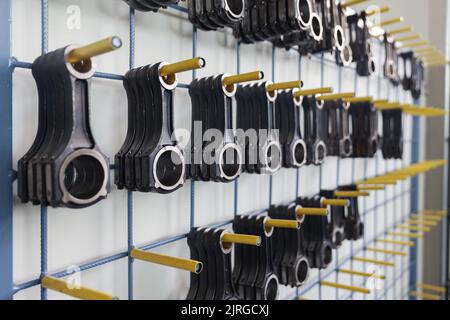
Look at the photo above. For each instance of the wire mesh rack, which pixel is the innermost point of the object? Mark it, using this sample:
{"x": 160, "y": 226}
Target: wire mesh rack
{"x": 403, "y": 199}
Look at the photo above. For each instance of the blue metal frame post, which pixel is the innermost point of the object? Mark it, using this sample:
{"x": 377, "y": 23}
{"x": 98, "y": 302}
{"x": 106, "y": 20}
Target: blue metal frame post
{"x": 415, "y": 157}
{"x": 6, "y": 171}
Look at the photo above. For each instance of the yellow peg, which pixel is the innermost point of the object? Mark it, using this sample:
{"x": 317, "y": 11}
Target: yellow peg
{"x": 433, "y": 58}
{"x": 362, "y": 274}
{"x": 406, "y": 235}
{"x": 424, "y": 296}
{"x": 413, "y": 45}
{"x": 427, "y": 49}
{"x": 422, "y": 223}
{"x": 430, "y": 287}
{"x": 372, "y": 12}
{"x": 388, "y": 22}
{"x": 371, "y": 188}
{"x": 373, "y": 261}
{"x": 301, "y": 212}
{"x": 350, "y": 3}
{"x": 285, "y": 224}
{"x": 401, "y": 30}
{"x": 377, "y": 181}
{"x": 94, "y": 49}
{"x": 182, "y": 66}
{"x": 409, "y": 38}
{"x": 303, "y": 299}
{"x": 426, "y": 218}
{"x": 387, "y": 105}
{"x": 437, "y": 60}
{"x": 380, "y": 101}
{"x": 244, "y": 77}
{"x": 312, "y": 92}
{"x": 358, "y": 99}
{"x": 335, "y": 202}
{"x": 241, "y": 239}
{"x": 398, "y": 243}
{"x": 434, "y": 61}
{"x": 397, "y": 177}
{"x": 345, "y": 287}
{"x": 178, "y": 263}
{"x": 414, "y": 228}
{"x": 69, "y": 289}
{"x": 430, "y": 56}
{"x": 351, "y": 194}
{"x": 440, "y": 61}
{"x": 434, "y": 213}
{"x": 284, "y": 85}
{"x": 391, "y": 252}
{"x": 434, "y": 65}
{"x": 336, "y": 96}
{"x": 428, "y": 53}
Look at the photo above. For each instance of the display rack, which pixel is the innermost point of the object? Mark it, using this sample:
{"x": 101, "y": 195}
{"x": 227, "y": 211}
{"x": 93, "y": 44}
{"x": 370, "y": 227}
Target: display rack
{"x": 404, "y": 192}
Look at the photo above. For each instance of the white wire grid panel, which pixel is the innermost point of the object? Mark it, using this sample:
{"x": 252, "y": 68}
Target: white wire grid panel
{"x": 83, "y": 235}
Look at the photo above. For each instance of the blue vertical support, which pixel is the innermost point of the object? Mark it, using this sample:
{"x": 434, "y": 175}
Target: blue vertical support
{"x": 6, "y": 172}
{"x": 130, "y": 199}
{"x": 364, "y": 215}
{"x": 236, "y": 182}
{"x": 273, "y": 80}
{"x": 320, "y": 167}
{"x": 375, "y": 212}
{"x": 415, "y": 157}
{"x": 194, "y": 75}
{"x": 352, "y": 251}
{"x": 385, "y": 207}
{"x": 446, "y": 186}
{"x": 44, "y": 209}
{"x": 338, "y": 179}
{"x": 297, "y": 171}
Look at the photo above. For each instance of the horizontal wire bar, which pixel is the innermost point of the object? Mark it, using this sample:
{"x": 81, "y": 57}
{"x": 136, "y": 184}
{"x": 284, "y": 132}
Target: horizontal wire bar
{"x": 177, "y": 7}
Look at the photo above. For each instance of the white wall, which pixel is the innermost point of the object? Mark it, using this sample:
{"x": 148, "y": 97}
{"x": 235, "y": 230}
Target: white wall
{"x": 77, "y": 236}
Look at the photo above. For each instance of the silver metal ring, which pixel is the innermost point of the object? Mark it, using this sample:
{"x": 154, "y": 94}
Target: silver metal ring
{"x": 319, "y": 36}
{"x": 168, "y": 86}
{"x": 267, "y": 232}
{"x": 294, "y": 146}
{"x": 220, "y": 161}
{"x": 346, "y": 55}
{"x": 273, "y": 97}
{"x": 338, "y": 30}
{"x": 233, "y": 15}
{"x": 269, "y": 280}
{"x": 158, "y": 183}
{"x": 297, "y": 266}
{"x": 269, "y": 169}
{"x": 82, "y": 75}
{"x": 319, "y": 145}
{"x": 344, "y": 151}
{"x": 304, "y": 25}
{"x": 302, "y": 218}
{"x": 231, "y": 245}
{"x": 102, "y": 192}
{"x": 229, "y": 94}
